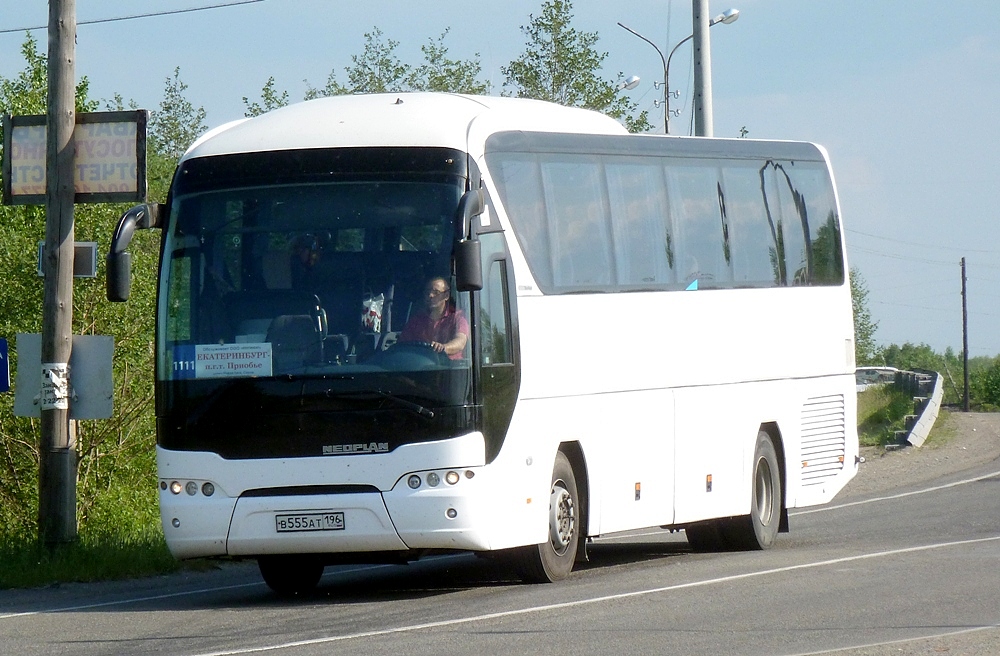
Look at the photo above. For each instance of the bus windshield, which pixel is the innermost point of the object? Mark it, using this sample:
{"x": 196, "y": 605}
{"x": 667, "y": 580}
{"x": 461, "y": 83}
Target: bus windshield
{"x": 312, "y": 285}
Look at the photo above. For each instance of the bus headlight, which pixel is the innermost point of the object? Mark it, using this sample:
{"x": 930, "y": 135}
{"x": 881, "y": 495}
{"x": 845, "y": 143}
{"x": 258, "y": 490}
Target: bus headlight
{"x": 433, "y": 479}
{"x": 413, "y": 481}
{"x": 191, "y": 487}
{"x": 451, "y": 478}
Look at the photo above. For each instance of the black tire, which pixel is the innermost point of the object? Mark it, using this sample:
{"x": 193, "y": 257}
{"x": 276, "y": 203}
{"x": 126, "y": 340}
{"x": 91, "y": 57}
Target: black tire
{"x": 290, "y": 575}
{"x": 759, "y": 529}
{"x": 553, "y": 560}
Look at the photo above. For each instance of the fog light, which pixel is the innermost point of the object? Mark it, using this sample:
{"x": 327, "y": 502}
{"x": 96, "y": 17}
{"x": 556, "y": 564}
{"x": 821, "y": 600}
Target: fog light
{"x": 413, "y": 481}
{"x": 208, "y": 489}
{"x": 191, "y": 488}
{"x": 451, "y": 513}
{"x": 176, "y": 487}
{"x": 451, "y": 478}
{"x": 433, "y": 479}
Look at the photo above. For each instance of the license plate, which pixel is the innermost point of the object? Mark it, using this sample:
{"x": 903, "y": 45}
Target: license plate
{"x": 322, "y": 521}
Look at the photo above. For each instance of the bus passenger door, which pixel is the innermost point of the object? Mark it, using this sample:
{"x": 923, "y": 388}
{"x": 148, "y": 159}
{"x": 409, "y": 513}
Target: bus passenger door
{"x": 497, "y": 344}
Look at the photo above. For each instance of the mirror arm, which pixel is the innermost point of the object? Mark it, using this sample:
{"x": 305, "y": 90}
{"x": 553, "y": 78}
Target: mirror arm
{"x": 140, "y": 217}
{"x": 119, "y": 260}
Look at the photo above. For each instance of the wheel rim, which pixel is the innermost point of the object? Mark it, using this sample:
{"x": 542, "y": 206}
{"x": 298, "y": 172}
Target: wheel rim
{"x": 763, "y": 492}
{"x": 562, "y": 518}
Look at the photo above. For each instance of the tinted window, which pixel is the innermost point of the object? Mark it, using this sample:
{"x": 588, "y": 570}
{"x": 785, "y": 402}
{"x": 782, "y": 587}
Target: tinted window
{"x": 641, "y": 230}
{"x": 589, "y": 222}
{"x": 496, "y": 346}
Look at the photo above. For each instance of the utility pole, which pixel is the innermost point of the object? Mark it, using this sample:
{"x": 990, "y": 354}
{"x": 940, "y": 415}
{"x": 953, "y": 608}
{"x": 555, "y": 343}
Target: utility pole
{"x": 703, "y": 126}
{"x": 965, "y": 341}
{"x": 57, "y": 471}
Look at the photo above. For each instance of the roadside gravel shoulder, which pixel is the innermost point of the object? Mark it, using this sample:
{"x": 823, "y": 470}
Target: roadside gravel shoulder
{"x": 958, "y": 441}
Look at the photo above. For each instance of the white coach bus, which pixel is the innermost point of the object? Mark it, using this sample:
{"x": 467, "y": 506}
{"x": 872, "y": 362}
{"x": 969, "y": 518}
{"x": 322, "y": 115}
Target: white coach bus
{"x": 642, "y": 331}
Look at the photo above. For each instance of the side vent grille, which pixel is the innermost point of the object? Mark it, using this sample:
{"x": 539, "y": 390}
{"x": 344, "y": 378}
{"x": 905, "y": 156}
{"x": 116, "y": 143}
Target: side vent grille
{"x": 823, "y": 438}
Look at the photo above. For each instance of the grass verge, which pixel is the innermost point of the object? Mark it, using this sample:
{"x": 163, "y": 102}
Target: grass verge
{"x": 26, "y": 564}
{"x": 880, "y": 414}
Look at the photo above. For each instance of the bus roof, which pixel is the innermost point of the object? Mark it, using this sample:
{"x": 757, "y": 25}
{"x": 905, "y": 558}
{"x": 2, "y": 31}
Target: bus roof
{"x": 396, "y": 119}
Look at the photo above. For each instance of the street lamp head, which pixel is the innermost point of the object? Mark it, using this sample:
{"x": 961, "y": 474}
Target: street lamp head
{"x": 629, "y": 83}
{"x": 728, "y": 16}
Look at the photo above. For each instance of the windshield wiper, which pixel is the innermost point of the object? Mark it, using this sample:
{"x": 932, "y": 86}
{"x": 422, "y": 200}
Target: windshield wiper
{"x": 401, "y": 402}
{"x": 409, "y": 405}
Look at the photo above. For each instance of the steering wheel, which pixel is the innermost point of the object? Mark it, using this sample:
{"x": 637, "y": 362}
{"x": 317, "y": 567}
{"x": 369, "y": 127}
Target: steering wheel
{"x": 421, "y": 349}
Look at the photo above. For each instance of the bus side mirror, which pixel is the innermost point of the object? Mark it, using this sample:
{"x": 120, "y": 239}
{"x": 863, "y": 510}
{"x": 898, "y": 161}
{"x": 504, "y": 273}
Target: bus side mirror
{"x": 119, "y": 260}
{"x": 119, "y": 276}
{"x": 468, "y": 265}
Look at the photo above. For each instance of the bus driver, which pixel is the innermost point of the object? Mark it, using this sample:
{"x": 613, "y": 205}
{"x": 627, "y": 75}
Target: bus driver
{"x": 440, "y": 324}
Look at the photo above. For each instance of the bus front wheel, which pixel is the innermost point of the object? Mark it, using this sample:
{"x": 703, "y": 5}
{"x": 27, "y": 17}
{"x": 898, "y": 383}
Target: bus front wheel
{"x": 290, "y": 575}
{"x": 553, "y": 559}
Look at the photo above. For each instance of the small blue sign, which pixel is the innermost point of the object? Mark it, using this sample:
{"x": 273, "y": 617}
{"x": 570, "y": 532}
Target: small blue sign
{"x": 4, "y": 367}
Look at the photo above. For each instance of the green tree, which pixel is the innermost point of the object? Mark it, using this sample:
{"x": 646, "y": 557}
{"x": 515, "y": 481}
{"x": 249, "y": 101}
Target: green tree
{"x": 439, "y": 73}
{"x": 560, "y": 64}
{"x": 177, "y": 123}
{"x": 912, "y": 356}
{"x": 172, "y": 129}
{"x": 984, "y": 385}
{"x": 865, "y": 350}
{"x": 270, "y": 99}
{"x": 376, "y": 70}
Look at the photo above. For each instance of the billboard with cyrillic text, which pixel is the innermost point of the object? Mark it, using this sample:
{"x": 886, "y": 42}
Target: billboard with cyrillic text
{"x": 110, "y": 162}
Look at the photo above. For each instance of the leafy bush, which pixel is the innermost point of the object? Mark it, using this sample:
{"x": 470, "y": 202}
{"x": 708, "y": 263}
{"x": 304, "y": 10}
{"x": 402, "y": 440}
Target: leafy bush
{"x": 985, "y": 386}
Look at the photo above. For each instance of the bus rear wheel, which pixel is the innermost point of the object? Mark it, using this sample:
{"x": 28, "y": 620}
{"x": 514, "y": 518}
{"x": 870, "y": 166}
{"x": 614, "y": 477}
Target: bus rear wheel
{"x": 760, "y": 528}
{"x": 553, "y": 560}
{"x": 290, "y": 575}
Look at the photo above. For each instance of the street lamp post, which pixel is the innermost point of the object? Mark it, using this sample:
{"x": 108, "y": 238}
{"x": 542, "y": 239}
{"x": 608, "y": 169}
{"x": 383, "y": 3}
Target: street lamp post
{"x": 727, "y": 17}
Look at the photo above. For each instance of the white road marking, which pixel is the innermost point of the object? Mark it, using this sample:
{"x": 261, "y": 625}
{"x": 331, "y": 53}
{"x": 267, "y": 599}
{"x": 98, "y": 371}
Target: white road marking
{"x": 594, "y": 600}
{"x": 901, "y": 641}
{"x": 537, "y": 609}
{"x": 895, "y": 496}
{"x": 169, "y": 595}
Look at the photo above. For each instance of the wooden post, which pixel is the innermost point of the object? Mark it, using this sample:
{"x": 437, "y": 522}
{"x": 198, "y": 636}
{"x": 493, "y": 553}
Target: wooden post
{"x": 58, "y": 459}
{"x": 965, "y": 341}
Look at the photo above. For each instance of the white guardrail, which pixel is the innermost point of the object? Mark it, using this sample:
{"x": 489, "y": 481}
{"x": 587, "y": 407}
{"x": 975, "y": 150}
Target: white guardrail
{"x": 927, "y": 389}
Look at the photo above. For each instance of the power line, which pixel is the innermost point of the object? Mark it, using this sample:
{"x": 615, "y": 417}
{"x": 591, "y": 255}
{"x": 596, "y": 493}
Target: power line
{"x": 134, "y": 16}
{"x": 905, "y": 258}
{"x": 913, "y": 243}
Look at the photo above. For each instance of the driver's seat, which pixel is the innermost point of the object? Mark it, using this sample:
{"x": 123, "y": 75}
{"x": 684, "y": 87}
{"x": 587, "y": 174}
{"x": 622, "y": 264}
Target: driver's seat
{"x": 294, "y": 342}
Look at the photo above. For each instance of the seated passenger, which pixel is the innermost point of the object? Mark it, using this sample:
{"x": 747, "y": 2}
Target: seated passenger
{"x": 439, "y": 324}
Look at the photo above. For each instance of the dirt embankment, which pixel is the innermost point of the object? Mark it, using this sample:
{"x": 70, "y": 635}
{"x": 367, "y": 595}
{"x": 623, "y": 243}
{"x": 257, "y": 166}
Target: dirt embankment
{"x": 958, "y": 441}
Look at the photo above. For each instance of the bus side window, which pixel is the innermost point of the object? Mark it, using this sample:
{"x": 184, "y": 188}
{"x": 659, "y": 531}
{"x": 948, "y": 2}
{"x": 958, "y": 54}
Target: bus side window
{"x": 495, "y": 337}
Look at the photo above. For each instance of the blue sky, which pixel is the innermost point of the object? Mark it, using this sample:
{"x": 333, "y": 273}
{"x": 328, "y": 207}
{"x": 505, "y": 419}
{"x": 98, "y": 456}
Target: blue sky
{"x": 901, "y": 92}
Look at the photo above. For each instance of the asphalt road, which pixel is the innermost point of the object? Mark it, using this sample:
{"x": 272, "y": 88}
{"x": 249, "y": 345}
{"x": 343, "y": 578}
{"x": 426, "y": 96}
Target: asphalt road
{"x": 908, "y": 570}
